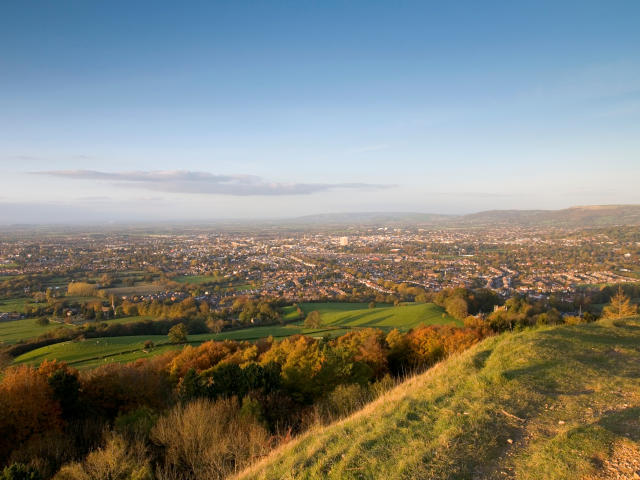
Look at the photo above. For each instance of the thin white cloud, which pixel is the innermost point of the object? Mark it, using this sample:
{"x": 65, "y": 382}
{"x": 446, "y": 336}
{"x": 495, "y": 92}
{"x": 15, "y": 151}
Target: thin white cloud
{"x": 184, "y": 181}
{"x": 475, "y": 194}
{"x": 368, "y": 149}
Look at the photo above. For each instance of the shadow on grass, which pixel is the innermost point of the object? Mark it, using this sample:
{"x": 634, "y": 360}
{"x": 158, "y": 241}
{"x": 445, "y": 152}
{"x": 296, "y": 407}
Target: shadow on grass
{"x": 625, "y": 423}
{"x": 622, "y": 332}
{"x": 538, "y": 377}
{"x": 480, "y": 359}
{"x": 351, "y": 318}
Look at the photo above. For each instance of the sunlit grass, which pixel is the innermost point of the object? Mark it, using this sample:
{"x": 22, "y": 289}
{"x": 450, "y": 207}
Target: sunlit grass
{"x": 553, "y": 403}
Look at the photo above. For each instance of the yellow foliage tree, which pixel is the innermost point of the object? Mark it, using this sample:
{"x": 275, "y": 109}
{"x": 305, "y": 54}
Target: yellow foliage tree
{"x": 620, "y": 306}
{"x": 81, "y": 289}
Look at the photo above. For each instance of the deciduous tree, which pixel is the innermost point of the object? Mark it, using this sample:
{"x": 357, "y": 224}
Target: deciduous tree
{"x": 620, "y": 306}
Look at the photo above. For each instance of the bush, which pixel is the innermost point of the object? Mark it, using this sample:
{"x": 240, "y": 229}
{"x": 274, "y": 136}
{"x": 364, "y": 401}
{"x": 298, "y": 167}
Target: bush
{"x": 208, "y": 440}
{"x": 574, "y": 320}
{"x": 178, "y": 333}
{"x": 137, "y": 423}
{"x": 19, "y": 471}
{"x": 117, "y": 460}
{"x": 342, "y": 401}
{"x": 313, "y": 320}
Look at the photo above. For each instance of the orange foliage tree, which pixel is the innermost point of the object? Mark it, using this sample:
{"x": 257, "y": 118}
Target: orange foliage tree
{"x": 28, "y": 407}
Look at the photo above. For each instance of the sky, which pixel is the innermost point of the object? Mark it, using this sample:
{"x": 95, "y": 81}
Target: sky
{"x": 155, "y": 111}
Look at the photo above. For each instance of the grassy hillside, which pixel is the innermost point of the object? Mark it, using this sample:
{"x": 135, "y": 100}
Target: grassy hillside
{"x": 16, "y": 330}
{"x": 555, "y": 403}
{"x": 14, "y": 304}
{"x": 386, "y": 317}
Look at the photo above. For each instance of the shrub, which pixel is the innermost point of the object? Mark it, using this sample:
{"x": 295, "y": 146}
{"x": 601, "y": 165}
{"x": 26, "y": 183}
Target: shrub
{"x": 342, "y": 401}
{"x": 208, "y": 440}
{"x": 117, "y": 460}
{"x": 313, "y": 320}
{"x": 574, "y": 320}
{"x": 137, "y": 423}
{"x": 178, "y": 333}
{"x": 19, "y": 471}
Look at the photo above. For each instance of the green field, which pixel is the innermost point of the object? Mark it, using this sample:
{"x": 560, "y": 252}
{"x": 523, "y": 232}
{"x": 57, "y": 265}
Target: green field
{"x": 198, "y": 279}
{"x": 337, "y": 318}
{"x": 77, "y": 351}
{"x": 16, "y": 330}
{"x": 57, "y": 282}
{"x": 135, "y": 319}
{"x": 14, "y": 304}
{"x": 554, "y": 403}
{"x": 211, "y": 280}
{"x": 402, "y": 317}
{"x": 140, "y": 289}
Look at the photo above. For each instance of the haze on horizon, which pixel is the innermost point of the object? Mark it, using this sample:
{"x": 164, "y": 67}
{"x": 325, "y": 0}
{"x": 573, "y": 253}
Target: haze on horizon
{"x": 130, "y": 111}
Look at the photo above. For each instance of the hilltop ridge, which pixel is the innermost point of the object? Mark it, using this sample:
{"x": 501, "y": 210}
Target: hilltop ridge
{"x": 578, "y": 216}
{"x": 558, "y": 402}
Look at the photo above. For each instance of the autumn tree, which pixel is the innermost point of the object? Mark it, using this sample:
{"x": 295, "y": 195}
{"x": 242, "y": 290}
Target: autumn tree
{"x": 313, "y": 320}
{"x": 81, "y": 289}
{"x": 66, "y": 390}
{"x": 178, "y": 333}
{"x": 28, "y": 407}
{"x": 457, "y": 307}
{"x": 399, "y": 352}
{"x": 620, "y": 306}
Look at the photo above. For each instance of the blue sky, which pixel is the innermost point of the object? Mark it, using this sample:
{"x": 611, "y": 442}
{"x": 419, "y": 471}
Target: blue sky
{"x": 203, "y": 110}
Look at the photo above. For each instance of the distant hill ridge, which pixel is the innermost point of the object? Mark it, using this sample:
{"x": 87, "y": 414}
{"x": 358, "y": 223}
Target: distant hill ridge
{"x": 553, "y": 403}
{"x": 580, "y": 216}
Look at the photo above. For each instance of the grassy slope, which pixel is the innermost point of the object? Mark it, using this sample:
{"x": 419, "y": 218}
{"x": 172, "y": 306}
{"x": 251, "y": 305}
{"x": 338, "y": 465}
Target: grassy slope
{"x": 403, "y": 317}
{"x": 14, "y": 304}
{"x": 554, "y": 403}
{"x": 16, "y": 330}
{"x": 74, "y": 351}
